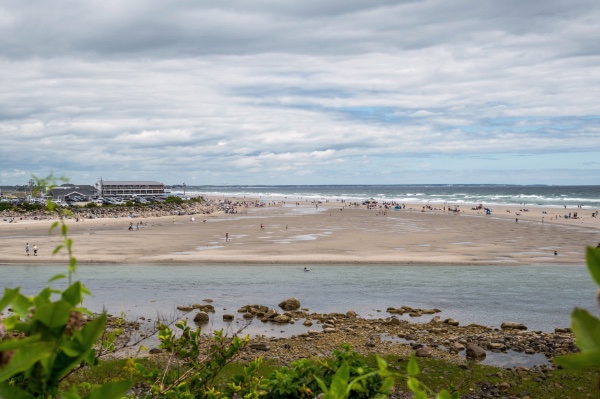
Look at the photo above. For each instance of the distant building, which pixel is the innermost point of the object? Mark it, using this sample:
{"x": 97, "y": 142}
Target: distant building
{"x": 117, "y": 188}
{"x": 72, "y": 192}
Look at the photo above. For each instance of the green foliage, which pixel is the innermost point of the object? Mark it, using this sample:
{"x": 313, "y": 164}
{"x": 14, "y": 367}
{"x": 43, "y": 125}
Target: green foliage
{"x": 4, "y": 206}
{"x": 173, "y": 200}
{"x": 199, "y": 364}
{"x": 49, "y": 338}
{"x": 585, "y": 326}
{"x": 91, "y": 205}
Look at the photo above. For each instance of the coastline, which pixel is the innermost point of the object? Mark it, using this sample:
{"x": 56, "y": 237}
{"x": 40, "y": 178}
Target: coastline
{"x": 318, "y": 233}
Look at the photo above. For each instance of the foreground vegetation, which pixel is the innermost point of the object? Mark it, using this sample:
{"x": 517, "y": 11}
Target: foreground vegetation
{"x": 52, "y": 347}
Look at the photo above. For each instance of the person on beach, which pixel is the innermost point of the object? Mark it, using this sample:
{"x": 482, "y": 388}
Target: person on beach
{"x": 226, "y": 237}
{"x": 34, "y": 250}
{"x": 27, "y": 249}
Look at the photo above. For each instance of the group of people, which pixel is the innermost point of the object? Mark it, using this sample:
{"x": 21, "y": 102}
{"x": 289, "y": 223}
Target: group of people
{"x": 35, "y": 249}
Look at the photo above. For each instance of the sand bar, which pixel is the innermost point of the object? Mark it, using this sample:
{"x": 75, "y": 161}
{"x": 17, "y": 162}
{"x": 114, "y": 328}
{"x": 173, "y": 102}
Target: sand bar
{"x": 309, "y": 233}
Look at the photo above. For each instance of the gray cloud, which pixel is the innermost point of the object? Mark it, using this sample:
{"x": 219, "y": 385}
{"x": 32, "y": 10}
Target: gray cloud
{"x": 299, "y": 92}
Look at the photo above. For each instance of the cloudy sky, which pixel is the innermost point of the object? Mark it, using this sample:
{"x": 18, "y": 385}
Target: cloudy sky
{"x": 301, "y": 92}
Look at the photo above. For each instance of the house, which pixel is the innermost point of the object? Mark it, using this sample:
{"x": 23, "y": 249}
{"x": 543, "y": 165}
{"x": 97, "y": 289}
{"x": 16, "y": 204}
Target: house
{"x": 73, "y": 192}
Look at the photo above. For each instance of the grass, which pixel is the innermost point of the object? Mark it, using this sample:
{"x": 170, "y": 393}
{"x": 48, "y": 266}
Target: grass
{"x": 473, "y": 381}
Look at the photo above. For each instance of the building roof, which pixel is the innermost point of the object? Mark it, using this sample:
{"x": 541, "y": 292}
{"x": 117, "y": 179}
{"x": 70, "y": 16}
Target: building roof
{"x": 68, "y": 189}
{"x": 130, "y": 183}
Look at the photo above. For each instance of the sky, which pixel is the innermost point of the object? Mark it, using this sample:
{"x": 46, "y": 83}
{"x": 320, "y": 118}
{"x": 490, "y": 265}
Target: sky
{"x": 301, "y": 92}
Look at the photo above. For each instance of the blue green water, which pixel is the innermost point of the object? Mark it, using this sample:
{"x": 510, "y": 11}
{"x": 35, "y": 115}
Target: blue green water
{"x": 542, "y": 297}
{"x": 540, "y": 195}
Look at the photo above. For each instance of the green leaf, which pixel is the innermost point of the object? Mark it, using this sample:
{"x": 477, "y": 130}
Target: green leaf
{"x": 12, "y": 344}
{"x": 72, "y": 264}
{"x": 54, "y": 314}
{"x": 582, "y": 360}
{"x": 112, "y": 390}
{"x": 25, "y": 357}
{"x": 339, "y": 383}
{"x": 381, "y": 364}
{"x": 412, "y": 368}
{"x": 586, "y": 329}
{"x": 7, "y": 298}
{"x": 53, "y": 226}
{"x": 593, "y": 262}
{"x": 57, "y": 277}
{"x": 43, "y": 297}
{"x": 58, "y": 248}
{"x": 11, "y": 392}
{"x": 74, "y": 294}
{"x": 21, "y": 304}
{"x": 443, "y": 395}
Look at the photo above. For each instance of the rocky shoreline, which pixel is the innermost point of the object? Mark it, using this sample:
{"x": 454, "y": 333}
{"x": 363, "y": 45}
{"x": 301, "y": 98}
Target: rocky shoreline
{"x": 438, "y": 338}
{"x": 140, "y": 211}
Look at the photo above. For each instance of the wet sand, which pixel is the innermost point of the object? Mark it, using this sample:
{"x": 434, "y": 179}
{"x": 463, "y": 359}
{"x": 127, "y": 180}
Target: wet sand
{"x": 317, "y": 234}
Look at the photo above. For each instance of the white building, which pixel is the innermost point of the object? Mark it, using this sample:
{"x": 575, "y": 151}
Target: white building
{"x": 118, "y": 188}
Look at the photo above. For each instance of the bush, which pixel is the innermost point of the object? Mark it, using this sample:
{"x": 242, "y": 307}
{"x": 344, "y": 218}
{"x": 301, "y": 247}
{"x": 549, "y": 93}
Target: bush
{"x": 174, "y": 200}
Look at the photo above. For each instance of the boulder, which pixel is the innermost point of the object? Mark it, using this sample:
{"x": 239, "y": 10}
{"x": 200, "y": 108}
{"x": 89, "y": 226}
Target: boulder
{"x": 248, "y": 316}
{"x": 475, "y": 352}
{"x": 451, "y": 322}
{"x": 511, "y": 325}
{"x": 424, "y": 351}
{"x": 308, "y": 323}
{"x": 201, "y": 318}
{"x": 457, "y": 346}
{"x": 228, "y": 317}
{"x": 290, "y": 304}
{"x": 281, "y": 319}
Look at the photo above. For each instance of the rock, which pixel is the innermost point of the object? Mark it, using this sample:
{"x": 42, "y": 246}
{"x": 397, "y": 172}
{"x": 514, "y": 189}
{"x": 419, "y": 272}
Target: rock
{"x": 290, "y": 304}
{"x": 451, "y": 322}
{"x": 351, "y": 314}
{"x": 511, "y": 325}
{"x": 259, "y": 346}
{"x": 457, "y": 346}
{"x": 392, "y": 321}
{"x": 475, "y": 352}
{"x": 424, "y": 351}
{"x": 562, "y": 330}
{"x": 201, "y": 318}
{"x": 228, "y": 317}
{"x": 329, "y": 330}
{"x": 271, "y": 313}
{"x": 185, "y": 308}
{"x": 207, "y": 300}
{"x": 308, "y": 323}
{"x": 248, "y": 316}
{"x": 281, "y": 319}
{"x": 155, "y": 351}
{"x": 496, "y": 346}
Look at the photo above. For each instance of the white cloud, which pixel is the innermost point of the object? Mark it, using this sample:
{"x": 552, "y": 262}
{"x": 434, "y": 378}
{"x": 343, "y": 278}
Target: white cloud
{"x": 276, "y": 91}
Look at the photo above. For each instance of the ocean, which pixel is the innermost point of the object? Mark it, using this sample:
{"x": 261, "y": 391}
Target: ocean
{"x": 588, "y": 197}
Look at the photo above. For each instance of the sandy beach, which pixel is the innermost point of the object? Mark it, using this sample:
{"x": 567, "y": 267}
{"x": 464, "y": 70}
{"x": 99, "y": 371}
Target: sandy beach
{"x": 309, "y": 233}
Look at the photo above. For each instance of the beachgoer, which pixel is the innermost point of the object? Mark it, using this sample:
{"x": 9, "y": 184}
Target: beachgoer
{"x": 516, "y": 220}
{"x": 27, "y": 249}
{"x": 555, "y": 253}
{"x": 34, "y": 250}
{"x": 226, "y": 237}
